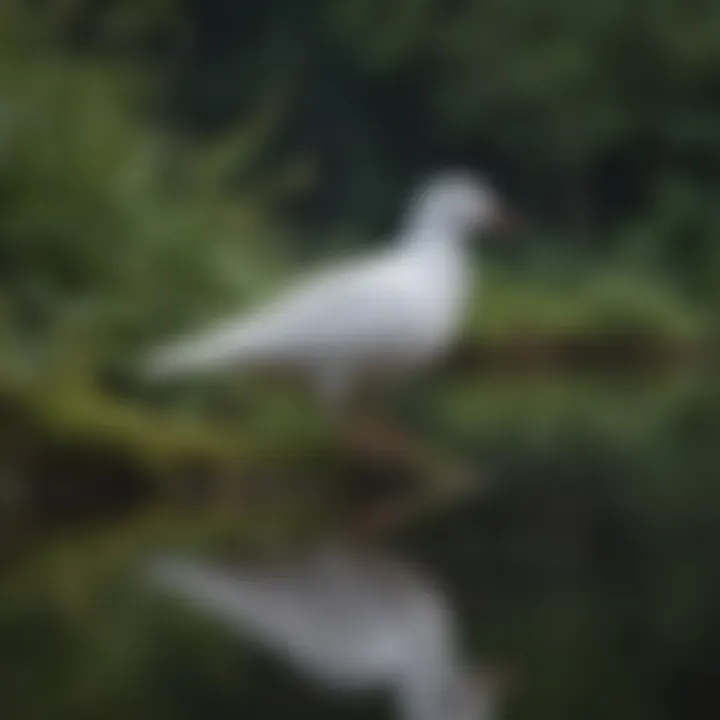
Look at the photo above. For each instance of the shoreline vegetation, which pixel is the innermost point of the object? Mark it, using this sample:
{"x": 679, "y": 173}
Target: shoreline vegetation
{"x": 74, "y": 447}
{"x": 73, "y": 452}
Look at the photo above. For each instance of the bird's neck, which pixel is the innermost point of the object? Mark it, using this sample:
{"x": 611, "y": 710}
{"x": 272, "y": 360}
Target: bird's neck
{"x": 438, "y": 241}
{"x": 441, "y": 254}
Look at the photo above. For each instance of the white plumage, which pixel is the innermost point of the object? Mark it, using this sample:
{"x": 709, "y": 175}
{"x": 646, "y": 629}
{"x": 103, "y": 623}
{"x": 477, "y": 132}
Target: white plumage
{"x": 346, "y": 622}
{"x": 391, "y": 312}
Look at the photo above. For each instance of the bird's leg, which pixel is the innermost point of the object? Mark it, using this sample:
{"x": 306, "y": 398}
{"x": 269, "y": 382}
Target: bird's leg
{"x": 371, "y": 435}
{"x": 365, "y": 428}
{"x": 333, "y": 388}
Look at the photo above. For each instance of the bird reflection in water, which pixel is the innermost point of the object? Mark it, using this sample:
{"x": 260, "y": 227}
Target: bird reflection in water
{"x": 348, "y": 616}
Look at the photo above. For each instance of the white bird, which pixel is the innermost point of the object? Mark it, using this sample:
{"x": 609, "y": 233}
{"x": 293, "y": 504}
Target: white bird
{"x": 391, "y": 312}
{"x": 347, "y": 622}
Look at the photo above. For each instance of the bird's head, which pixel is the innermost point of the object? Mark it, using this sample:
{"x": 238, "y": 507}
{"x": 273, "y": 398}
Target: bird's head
{"x": 458, "y": 203}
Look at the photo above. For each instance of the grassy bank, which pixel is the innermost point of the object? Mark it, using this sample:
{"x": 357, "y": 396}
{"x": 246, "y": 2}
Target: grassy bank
{"x": 584, "y": 316}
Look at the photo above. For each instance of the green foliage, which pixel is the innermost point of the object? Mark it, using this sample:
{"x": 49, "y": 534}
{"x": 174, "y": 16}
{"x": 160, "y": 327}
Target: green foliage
{"x": 629, "y": 411}
{"x": 603, "y": 301}
{"x": 102, "y": 245}
{"x": 587, "y": 110}
{"x": 584, "y": 78}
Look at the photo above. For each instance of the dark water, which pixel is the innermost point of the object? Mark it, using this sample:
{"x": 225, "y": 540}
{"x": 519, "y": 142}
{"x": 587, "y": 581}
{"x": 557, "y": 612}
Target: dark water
{"x": 590, "y": 566}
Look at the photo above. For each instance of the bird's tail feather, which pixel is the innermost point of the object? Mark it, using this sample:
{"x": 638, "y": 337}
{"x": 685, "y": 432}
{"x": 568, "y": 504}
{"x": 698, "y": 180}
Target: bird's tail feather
{"x": 214, "y": 593}
{"x": 219, "y": 349}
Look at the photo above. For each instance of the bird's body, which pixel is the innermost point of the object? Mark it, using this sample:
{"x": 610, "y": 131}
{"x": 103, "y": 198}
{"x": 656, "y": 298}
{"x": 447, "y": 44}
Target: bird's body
{"x": 336, "y": 327}
{"x": 387, "y": 314}
{"x": 345, "y": 622}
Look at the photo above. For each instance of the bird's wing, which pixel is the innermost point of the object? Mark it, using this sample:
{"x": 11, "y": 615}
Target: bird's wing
{"x": 285, "y": 612}
{"x": 359, "y": 308}
{"x": 242, "y": 602}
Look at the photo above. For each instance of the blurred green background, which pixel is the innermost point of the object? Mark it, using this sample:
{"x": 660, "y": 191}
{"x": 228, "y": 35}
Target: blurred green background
{"x": 166, "y": 161}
